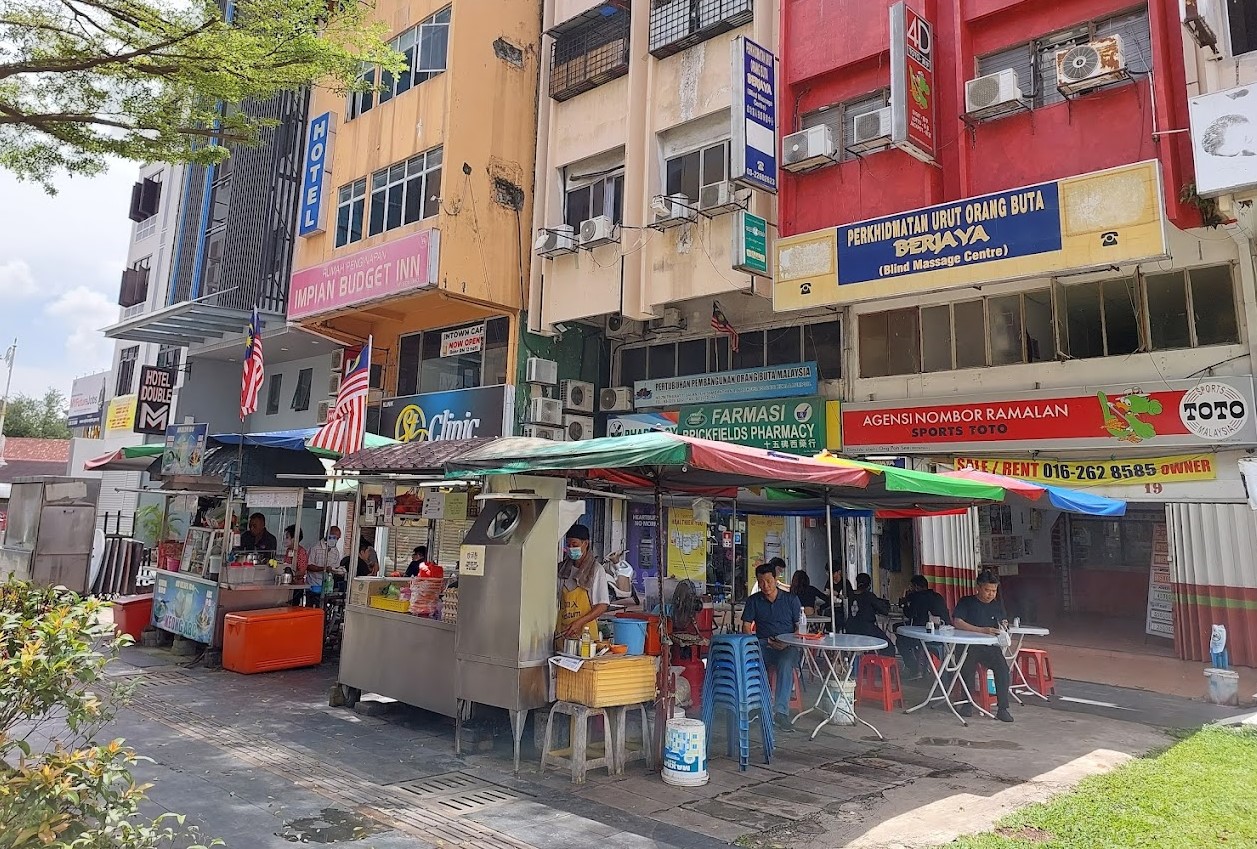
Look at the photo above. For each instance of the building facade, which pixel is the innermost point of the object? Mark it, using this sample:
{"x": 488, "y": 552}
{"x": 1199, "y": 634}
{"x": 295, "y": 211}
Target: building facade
{"x": 1000, "y": 199}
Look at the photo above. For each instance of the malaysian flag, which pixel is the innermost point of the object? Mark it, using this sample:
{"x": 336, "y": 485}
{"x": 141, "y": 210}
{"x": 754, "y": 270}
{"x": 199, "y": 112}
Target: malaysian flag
{"x": 720, "y": 324}
{"x": 347, "y": 419}
{"x": 251, "y": 377}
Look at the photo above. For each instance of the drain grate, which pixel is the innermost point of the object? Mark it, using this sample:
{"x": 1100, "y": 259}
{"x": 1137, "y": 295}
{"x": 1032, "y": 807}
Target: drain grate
{"x": 457, "y": 793}
{"x": 156, "y": 678}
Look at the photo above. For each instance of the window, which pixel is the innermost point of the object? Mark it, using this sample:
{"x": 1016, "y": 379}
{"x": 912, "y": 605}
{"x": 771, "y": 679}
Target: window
{"x": 301, "y": 397}
{"x": 1100, "y": 319}
{"x": 168, "y": 356}
{"x": 273, "y": 389}
{"x": 126, "y": 370}
{"x": 406, "y": 192}
{"x": 890, "y": 343}
{"x": 1241, "y": 18}
{"x": 690, "y": 173}
{"x": 589, "y": 52}
{"x": 678, "y": 24}
{"x": 426, "y": 48}
{"x": 604, "y": 196}
{"x": 145, "y": 198}
{"x": 134, "y": 289}
{"x": 421, "y": 368}
{"x": 351, "y": 207}
{"x": 1193, "y": 308}
{"x": 1035, "y": 62}
{"x": 840, "y": 118}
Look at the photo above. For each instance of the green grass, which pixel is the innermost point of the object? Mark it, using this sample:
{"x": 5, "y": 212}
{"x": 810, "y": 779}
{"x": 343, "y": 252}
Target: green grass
{"x": 1199, "y": 793}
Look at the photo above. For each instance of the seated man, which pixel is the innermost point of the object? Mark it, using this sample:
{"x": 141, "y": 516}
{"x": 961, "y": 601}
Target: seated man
{"x": 981, "y": 613}
{"x": 768, "y": 614}
{"x": 866, "y": 606}
{"x": 919, "y": 604}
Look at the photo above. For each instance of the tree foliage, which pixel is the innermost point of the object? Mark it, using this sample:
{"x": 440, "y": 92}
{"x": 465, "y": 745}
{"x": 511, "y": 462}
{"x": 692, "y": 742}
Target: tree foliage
{"x": 155, "y": 80}
{"x": 40, "y": 418}
{"x": 59, "y": 787}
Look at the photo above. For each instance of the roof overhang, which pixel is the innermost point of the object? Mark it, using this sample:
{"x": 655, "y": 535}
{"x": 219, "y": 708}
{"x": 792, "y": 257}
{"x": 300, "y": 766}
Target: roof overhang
{"x": 184, "y": 325}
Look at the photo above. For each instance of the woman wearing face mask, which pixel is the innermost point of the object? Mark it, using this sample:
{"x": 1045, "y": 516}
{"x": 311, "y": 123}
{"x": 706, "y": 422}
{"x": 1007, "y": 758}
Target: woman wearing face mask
{"x": 583, "y": 594}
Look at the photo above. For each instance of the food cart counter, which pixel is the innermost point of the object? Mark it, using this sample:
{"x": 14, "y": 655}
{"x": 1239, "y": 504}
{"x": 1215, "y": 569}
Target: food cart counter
{"x": 194, "y": 607}
{"x": 411, "y": 658}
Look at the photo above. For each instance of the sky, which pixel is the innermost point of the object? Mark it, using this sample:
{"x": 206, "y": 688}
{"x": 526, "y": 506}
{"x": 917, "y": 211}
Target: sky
{"x": 61, "y": 260}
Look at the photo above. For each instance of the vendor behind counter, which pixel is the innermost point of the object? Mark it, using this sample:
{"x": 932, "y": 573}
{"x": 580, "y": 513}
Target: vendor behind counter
{"x": 583, "y": 590}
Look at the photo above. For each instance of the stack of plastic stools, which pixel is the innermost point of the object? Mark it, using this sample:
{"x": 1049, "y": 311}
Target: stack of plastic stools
{"x": 737, "y": 683}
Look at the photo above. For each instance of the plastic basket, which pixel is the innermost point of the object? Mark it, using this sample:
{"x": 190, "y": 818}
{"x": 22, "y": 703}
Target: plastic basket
{"x": 397, "y": 605}
{"x": 424, "y": 595}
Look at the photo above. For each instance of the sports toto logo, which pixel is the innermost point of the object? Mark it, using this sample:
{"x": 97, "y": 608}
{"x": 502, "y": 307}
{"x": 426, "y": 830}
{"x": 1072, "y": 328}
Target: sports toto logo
{"x": 1213, "y": 410}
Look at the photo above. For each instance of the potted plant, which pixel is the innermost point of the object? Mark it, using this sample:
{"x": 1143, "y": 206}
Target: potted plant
{"x": 161, "y": 531}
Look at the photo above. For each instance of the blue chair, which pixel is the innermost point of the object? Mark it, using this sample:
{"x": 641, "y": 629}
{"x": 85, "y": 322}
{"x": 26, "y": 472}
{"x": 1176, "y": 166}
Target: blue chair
{"x": 736, "y": 683}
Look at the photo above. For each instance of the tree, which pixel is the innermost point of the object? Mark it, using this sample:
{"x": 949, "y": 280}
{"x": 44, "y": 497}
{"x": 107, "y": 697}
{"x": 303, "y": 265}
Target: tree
{"x": 154, "y": 80}
{"x": 41, "y": 418}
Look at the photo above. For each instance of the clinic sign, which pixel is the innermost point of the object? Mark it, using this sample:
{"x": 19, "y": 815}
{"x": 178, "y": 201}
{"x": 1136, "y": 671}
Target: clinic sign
{"x": 753, "y": 114}
{"x": 394, "y": 268}
{"x": 913, "y": 126}
{"x": 752, "y": 384}
{"x": 314, "y": 180}
{"x": 1180, "y": 414}
{"x": 791, "y": 425}
{"x": 1096, "y": 220}
{"x": 460, "y": 414}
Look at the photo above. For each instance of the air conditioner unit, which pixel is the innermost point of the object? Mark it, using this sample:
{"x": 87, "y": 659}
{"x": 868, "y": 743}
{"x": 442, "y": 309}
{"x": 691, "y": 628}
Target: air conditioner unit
{"x": 544, "y": 372}
{"x": 554, "y": 434}
{"x": 337, "y": 363}
{"x": 808, "y": 149}
{"x": 616, "y": 399}
{"x": 321, "y": 413}
{"x": 555, "y": 241}
{"x": 1091, "y": 65}
{"x": 992, "y": 95}
{"x": 618, "y": 327}
{"x": 870, "y": 131}
{"x": 333, "y": 384}
{"x": 672, "y": 211}
{"x": 719, "y": 198}
{"x": 579, "y": 427}
{"x": 577, "y": 396}
{"x": 670, "y": 320}
{"x": 545, "y": 411}
{"x": 598, "y": 231}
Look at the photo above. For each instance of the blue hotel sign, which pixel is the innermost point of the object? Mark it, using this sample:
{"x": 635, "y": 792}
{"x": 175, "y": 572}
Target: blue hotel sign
{"x": 754, "y": 116}
{"x": 314, "y": 179}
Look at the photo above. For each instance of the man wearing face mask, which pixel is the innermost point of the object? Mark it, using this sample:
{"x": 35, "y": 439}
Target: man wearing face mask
{"x": 583, "y": 593}
{"x": 324, "y": 558}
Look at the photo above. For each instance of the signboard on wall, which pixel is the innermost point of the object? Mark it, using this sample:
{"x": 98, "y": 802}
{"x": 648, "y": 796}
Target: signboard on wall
{"x": 1160, "y": 618}
{"x": 87, "y": 400}
{"x": 687, "y": 546}
{"x": 750, "y": 243}
{"x": 753, "y": 149}
{"x": 460, "y": 414}
{"x": 391, "y": 269}
{"x": 794, "y": 425}
{"x": 120, "y": 414}
{"x": 1224, "y": 139}
{"x": 462, "y": 340}
{"x": 913, "y": 128}
{"x": 1180, "y": 468}
{"x": 314, "y": 180}
{"x": 1176, "y": 413}
{"x": 155, "y": 400}
{"x": 750, "y": 384}
{"x": 631, "y": 423}
{"x": 1095, "y": 220}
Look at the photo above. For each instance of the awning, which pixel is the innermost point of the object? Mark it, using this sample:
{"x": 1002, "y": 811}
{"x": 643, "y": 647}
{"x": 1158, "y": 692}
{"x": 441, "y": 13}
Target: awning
{"x": 135, "y": 458}
{"x": 294, "y": 440}
{"x": 184, "y": 324}
{"x": 1061, "y": 498}
{"x": 412, "y": 457}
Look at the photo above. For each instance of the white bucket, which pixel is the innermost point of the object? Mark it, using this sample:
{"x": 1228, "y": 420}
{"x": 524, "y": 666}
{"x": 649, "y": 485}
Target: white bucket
{"x": 844, "y": 696}
{"x": 1224, "y": 686}
{"x": 685, "y": 753}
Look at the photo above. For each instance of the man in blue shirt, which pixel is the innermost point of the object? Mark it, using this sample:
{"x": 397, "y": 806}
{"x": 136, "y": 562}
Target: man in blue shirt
{"x": 768, "y": 614}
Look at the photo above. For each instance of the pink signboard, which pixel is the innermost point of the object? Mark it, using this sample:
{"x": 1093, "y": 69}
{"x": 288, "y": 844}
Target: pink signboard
{"x": 393, "y": 268}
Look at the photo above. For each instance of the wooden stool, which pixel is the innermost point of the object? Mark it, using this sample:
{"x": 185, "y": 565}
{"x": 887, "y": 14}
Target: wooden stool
{"x": 576, "y": 756}
{"x": 1036, "y": 669}
{"x": 796, "y": 691}
{"x": 621, "y": 752}
{"x": 878, "y": 682}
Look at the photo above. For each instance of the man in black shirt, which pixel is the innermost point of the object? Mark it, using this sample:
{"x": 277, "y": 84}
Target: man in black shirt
{"x": 982, "y": 613}
{"x": 919, "y": 604}
{"x": 257, "y": 537}
{"x": 866, "y": 606}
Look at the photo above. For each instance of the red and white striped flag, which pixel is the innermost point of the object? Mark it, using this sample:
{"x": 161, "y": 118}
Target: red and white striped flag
{"x": 347, "y": 420}
{"x": 254, "y": 370}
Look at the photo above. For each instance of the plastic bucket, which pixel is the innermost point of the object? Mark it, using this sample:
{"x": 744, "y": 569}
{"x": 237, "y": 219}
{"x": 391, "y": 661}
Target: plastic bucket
{"x": 1224, "y": 687}
{"x": 631, "y": 633}
{"x": 652, "y": 631}
{"x": 844, "y": 697}
{"x": 685, "y": 753}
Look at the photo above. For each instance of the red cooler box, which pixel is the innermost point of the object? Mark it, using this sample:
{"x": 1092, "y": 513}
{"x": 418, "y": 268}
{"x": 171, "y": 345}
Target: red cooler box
{"x": 132, "y": 614}
{"x": 271, "y": 639}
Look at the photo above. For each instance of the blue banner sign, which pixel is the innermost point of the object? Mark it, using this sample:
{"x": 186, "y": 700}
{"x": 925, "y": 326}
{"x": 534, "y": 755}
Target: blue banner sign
{"x": 754, "y": 116}
{"x": 1006, "y": 225}
{"x": 750, "y": 384}
{"x": 314, "y": 177}
{"x": 185, "y": 607}
{"x": 459, "y": 414}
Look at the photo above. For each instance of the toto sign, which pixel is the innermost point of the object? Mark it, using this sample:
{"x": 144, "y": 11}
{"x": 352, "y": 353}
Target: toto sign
{"x": 1214, "y": 411}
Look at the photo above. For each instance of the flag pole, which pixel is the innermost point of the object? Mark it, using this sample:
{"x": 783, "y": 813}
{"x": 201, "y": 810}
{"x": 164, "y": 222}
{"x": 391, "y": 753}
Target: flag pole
{"x": 9, "y": 357}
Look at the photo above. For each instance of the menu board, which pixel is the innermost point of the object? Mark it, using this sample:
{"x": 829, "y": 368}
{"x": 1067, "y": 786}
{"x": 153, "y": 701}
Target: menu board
{"x": 1160, "y": 622}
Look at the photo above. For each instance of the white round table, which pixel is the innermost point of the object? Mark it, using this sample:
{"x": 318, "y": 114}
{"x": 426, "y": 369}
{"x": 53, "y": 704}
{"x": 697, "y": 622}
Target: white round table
{"x": 837, "y": 650}
{"x": 955, "y": 649}
{"x": 1014, "y": 668}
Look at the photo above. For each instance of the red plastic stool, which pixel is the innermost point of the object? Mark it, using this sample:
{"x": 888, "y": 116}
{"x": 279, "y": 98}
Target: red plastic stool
{"x": 694, "y": 670}
{"x": 878, "y": 682}
{"x": 983, "y": 697}
{"x": 1036, "y": 669}
{"x": 796, "y": 692}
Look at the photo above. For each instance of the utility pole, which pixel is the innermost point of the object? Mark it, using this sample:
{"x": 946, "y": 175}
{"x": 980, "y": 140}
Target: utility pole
{"x": 9, "y": 356}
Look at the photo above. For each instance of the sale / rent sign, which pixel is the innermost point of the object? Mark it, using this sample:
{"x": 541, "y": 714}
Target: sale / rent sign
{"x": 1073, "y": 473}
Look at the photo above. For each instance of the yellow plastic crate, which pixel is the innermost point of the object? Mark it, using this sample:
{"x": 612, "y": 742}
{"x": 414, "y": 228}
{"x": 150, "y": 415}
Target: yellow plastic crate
{"x": 397, "y": 605}
{"x": 609, "y": 681}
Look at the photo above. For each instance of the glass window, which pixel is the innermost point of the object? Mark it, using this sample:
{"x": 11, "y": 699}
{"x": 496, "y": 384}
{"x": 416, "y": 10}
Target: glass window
{"x": 874, "y": 344}
{"x": 970, "y": 334}
{"x": 497, "y": 338}
{"x": 442, "y": 374}
{"x": 692, "y": 357}
{"x": 426, "y": 48}
{"x": 784, "y": 347}
{"x": 890, "y": 343}
{"x": 126, "y": 370}
{"x": 1037, "y": 312}
{"x": 273, "y": 389}
{"x": 301, "y": 397}
{"x": 350, "y": 208}
{"x": 408, "y": 364}
{"x": 406, "y": 192}
{"x": 1121, "y": 325}
{"x": 822, "y": 344}
{"x": 719, "y": 352}
{"x": 1006, "y": 332}
{"x": 750, "y": 353}
{"x": 632, "y": 366}
{"x": 1213, "y": 302}
{"x": 603, "y": 196}
{"x": 1083, "y": 321}
{"x": 662, "y": 361}
{"x": 936, "y": 338}
{"x": 691, "y": 172}
{"x": 1242, "y": 22}
{"x": 1168, "y": 323}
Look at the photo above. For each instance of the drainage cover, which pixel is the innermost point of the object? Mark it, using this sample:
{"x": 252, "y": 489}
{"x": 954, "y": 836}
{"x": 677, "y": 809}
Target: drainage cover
{"x": 457, "y": 793}
{"x": 156, "y": 678}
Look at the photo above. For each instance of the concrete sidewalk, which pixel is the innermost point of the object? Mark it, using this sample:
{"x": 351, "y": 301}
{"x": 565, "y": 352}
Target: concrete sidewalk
{"x": 262, "y": 761}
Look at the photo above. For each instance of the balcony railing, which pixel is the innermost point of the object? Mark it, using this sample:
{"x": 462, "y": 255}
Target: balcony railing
{"x": 589, "y": 51}
{"x": 678, "y": 24}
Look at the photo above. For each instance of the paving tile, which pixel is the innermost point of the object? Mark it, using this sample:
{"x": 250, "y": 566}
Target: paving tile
{"x": 617, "y": 796}
{"x": 720, "y": 829}
{"x": 753, "y": 820}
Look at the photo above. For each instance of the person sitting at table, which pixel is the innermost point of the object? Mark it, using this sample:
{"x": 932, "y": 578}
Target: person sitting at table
{"x": 983, "y": 613}
{"x": 768, "y": 614}
{"x": 808, "y": 595}
{"x": 839, "y": 585}
{"x": 919, "y": 604}
{"x": 865, "y": 607}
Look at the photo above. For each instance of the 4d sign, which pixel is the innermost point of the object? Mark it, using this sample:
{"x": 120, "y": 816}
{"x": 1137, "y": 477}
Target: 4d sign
{"x": 314, "y": 177}
{"x": 156, "y": 395}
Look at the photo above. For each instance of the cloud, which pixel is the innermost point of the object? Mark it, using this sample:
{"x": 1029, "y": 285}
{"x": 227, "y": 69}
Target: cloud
{"x": 16, "y": 280}
{"x": 82, "y": 312}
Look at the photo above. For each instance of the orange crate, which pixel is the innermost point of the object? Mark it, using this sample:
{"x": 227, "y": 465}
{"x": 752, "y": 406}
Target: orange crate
{"x": 273, "y": 638}
{"x": 608, "y": 681}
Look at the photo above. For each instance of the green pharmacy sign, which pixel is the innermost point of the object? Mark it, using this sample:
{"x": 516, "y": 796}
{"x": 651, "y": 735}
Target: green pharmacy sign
{"x": 792, "y": 425}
